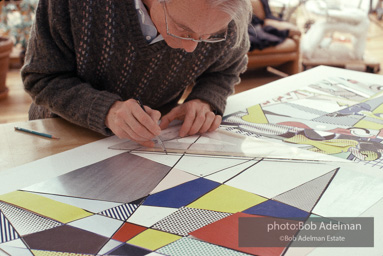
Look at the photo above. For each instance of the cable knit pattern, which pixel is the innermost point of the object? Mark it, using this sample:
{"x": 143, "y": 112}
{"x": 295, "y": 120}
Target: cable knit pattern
{"x": 108, "y": 39}
{"x": 127, "y": 69}
{"x": 85, "y": 55}
{"x": 84, "y": 36}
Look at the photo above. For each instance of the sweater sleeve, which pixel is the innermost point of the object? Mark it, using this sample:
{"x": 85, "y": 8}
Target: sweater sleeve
{"x": 217, "y": 83}
{"x": 49, "y": 73}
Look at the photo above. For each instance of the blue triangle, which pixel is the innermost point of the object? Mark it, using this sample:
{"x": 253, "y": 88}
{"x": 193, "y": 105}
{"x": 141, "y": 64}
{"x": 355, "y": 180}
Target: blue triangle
{"x": 181, "y": 195}
{"x": 276, "y": 209}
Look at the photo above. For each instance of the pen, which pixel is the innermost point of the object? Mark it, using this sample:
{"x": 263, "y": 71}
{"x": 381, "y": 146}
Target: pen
{"x": 157, "y": 138}
{"x": 36, "y": 133}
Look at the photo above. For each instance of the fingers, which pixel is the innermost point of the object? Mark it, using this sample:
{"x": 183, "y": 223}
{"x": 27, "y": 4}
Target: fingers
{"x": 171, "y": 116}
{"x": 189, "y": 122}
{"x": 212, "y": 123}
{"x": 145, "y": 123}
{"x": 128, "y": 120}
{"x": 127, "y": 133}
{"x": 200, "y": 123}
{"x": 197, "y": 116}
{"x": 216, "y": 123}
{"x": 154, "y": 114}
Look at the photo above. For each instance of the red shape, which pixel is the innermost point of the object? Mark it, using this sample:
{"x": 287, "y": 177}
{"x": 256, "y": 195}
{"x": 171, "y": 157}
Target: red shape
{"x": 127, "y": 231}
{"x": 225, "y": 233}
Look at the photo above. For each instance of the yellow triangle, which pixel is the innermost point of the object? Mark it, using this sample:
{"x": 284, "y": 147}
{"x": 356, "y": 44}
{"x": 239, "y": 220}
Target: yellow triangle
{"x": 227, "y": 199}
{"x": 41, "y": 205}
{"x": 153, "y": 239}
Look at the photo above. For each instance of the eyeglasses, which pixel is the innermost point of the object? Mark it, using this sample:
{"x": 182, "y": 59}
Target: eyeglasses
{"x": 210, "y": 38}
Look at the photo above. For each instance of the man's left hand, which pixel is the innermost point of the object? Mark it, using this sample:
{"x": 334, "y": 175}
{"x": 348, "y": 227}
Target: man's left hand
{"x": 197, "y": 115}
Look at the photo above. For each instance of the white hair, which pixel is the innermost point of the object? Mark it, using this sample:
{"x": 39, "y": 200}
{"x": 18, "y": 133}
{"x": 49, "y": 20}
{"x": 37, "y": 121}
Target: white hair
{"x": 239, "y": 10}
{"x": 241, "y": 13}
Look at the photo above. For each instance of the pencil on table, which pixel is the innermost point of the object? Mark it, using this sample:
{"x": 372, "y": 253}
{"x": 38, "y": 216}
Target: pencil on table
{"x": 36, "y": 133}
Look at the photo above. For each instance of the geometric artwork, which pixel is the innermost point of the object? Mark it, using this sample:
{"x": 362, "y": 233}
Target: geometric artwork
{"x": 126, "y": 177}
{"x": 227, "y": 199}
{"x": 276, "y": 209}
{"x": 127, "y": 231}
{"x": 335, "y": 116}
{"x": 44, "y": 206}
{"x": 186, "y": 220}
{"x": 199, "y": 215}
{"x": 174, "y": 178}
{"x": 272, "y": 178}
{"x": 153, "y": 239}
{"x": 226, "y": 234}
{"x": 127, "y": 249}
{"x": 196, "y": 248}
{"x": 147, "y": 216}
{"x": 15, "y": 247}
{"x": 26, "y": 222}
{"x": 98, "y": 224}
{"x": 88, "y": 205}
{"x": 169, "y": 221}
{"x": 7, "y": 232}
{"x": 66, "y": 239}
{"x": 264, "y": 161}
{"x": 306, "y": 195}
{"x": 181, "y": 195}
{"x": 121, "y": 212}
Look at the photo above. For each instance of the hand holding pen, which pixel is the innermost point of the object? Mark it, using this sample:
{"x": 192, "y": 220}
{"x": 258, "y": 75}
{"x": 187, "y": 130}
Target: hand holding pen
{"x": 157, "y": 138}
{"x": 131, "y": 120}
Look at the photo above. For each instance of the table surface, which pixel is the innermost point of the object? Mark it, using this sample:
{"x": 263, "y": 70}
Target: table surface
{"x": 19, "y": 148}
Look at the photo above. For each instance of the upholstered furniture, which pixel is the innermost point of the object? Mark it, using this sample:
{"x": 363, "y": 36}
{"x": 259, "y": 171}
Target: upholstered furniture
{"x": 284, "y": 56}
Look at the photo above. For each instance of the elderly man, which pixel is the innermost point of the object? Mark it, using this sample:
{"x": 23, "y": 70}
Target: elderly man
{"x": 89, "y": 61}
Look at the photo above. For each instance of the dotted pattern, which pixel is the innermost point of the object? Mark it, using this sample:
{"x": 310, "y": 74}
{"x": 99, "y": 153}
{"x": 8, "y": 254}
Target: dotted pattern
{"x": 241, "y": 132}
{"x": 196, "y": 248}
{"x": 26, "y": 222}
{"x": 51, "y": 253}
{"x": 306, "y": 195}
{"x": 306, "y": 109}
{"x": 186, "y": 220}
{"x": 343, "y": 121}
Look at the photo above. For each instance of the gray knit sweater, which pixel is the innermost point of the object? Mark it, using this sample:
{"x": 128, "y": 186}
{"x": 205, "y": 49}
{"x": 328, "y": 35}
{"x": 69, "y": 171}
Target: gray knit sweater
{"x": 84, "y": 55}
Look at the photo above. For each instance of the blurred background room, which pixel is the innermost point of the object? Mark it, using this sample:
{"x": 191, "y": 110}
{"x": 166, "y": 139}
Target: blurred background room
{"x": 287, "y": 37}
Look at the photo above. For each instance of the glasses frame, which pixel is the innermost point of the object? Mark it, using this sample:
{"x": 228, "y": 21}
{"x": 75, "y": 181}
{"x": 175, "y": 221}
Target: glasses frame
{"x": 189, "y": 38}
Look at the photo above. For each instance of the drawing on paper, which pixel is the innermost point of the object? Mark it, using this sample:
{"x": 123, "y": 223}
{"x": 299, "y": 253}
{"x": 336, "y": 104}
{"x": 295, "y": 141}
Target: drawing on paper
{"x": 188, "y": 202}
{"x": 336, "y": 116}
{"x": 194, "y": 209}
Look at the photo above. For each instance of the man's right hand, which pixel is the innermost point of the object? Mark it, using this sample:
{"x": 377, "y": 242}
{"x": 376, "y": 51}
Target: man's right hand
{"x": 128, "y": 120}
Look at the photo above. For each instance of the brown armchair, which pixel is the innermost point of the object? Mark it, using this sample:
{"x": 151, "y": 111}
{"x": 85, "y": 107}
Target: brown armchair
{"x": 284, "y": 56}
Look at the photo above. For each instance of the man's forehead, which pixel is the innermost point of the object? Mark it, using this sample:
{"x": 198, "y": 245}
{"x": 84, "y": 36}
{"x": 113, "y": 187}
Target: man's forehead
{"x": 190, "y": 17}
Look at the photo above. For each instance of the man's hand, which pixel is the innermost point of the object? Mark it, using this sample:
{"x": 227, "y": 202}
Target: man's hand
{"x": 128, "y": 120}
{"x": 197, "y": 115}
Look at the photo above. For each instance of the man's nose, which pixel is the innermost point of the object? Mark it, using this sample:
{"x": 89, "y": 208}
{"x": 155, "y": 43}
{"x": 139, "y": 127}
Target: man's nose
{"x": 189, "y": 46}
